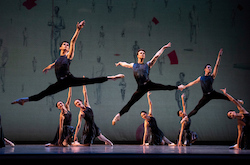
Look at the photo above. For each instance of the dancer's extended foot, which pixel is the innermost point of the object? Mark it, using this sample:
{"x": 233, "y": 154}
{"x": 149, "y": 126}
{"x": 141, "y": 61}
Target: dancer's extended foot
{"x": 108, "y": 142}
{"x": 116, "y": 118}
{"x": 21, "y": 101}
{"x": 9, "y": 142}
{"x": 171, "y": 144}
{"x": 116, "y": 76}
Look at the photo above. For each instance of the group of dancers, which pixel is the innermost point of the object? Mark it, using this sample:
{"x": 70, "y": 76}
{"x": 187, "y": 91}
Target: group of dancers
{"x": 141, "y": 72}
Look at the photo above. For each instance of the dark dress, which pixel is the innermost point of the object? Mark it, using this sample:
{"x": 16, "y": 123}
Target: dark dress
{"x": 188, "y": 135}
{"x": 157, "y": 134}
{"x": 2, "y": 142}
{"x": 90, "y": 130}
{"x": 68, "y": 130}
{"x": 245, "y": 143}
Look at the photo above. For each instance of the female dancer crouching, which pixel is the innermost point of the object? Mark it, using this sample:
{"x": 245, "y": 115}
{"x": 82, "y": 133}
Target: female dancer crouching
{"x": 91, "y": 131}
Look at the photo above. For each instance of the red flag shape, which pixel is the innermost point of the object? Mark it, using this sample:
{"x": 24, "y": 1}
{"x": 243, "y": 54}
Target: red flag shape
{"x": 173, "y": 57}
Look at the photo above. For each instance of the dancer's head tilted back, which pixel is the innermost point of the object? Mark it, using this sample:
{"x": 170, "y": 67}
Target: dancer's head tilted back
{"x": 78, "y": 103}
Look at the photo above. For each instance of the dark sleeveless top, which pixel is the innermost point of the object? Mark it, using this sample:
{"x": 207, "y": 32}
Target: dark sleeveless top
{"x": 89, "y": 115}
{"x": 206, "y": 84}
{"x": 141, "y": 73}
{"x": 187, "y": 124}
{"x": 67, "y": 118}
{"x": 62, "y": 67}
{"x": 246, "y": 120}
{"x": 67, "y": 129}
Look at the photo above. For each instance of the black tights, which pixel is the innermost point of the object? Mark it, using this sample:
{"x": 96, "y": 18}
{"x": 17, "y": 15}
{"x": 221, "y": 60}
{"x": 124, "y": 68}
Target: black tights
{"x": 141, "y": 90}
{"x": 64, "y": 84}
{"x": 205, "y": 99}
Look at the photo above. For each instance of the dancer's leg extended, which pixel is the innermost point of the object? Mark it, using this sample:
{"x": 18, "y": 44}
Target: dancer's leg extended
{"x": 205, "y": 99}
{"x": 135, "y": 97}
{"x": 142, "y": 90}
{"x": 139, "y": 93}
{"x": 155, "y": 86}
{"x": 104, "y": 139}
{"x": 64, "y": 84}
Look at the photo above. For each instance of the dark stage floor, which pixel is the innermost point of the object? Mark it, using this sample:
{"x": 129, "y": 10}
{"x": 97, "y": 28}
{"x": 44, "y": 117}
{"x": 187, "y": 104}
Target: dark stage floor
{"x": 124, "y": 154}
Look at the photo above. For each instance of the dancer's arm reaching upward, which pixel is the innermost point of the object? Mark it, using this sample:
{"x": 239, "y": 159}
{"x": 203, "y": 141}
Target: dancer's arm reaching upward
{"x": 158, "y": 54}
{"x": 217, "y": 63}
{"x": 86, "y": 99}
{"x": 150, "y": 113}
{"x": 71, "y": 52}
{"x": 182, "y": 125}
{"x": 67, "y": 104}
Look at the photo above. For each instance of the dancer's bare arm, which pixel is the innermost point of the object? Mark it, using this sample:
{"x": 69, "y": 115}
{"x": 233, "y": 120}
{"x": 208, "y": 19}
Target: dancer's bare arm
{"x": 145, "y": 136}
{"x": 158, "y": 54}
{"x": 67, "y": 104}
{"x": 150, "y": 113}
{"x": 79, "y": 26}
{"x": 86, "y": 98}
{"x": 182, "y": 125}
{"x": 61, "y": 120}
{"x": 181, "y": 134}
{"x": 240, "y": 108}
{"x": 193, "y": 82}
{"x": 78, "y": 127}
{"x": 124, "y": 64}
{"x": 49, "y": 67}
{"x": 183, "y": 103}
{"x": 217, "y": 63}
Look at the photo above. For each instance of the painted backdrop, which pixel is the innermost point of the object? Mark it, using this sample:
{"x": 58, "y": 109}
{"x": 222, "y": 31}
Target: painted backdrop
{"x": 31, "y": 30}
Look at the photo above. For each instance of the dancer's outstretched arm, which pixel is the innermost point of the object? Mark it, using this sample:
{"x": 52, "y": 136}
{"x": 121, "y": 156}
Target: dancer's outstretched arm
{"x": 193, "y": 82}
{"x": 149, "y": 104}
{"x": 240, "y": 108}
{"x": 71, "y": 52}
{"x": 183, "y": 103}
{"x": 49, "y": 67}
{"x": 240, "y": 133}
{"x": 85, "y": 94}
{"x": 217, "y": 63}
{"x": 78, "y": 126}
{"x": 67, "y": 104}
{"x": 182, "y": 125}
{"x": 125, "y": 64}
{"x": 146, "y": 132}
{"x": 158, "y": 54}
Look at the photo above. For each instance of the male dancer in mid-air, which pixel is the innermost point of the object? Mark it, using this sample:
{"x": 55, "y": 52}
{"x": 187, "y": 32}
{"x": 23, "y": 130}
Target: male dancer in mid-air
{"x": 141, "y": 74}
{"x": 207, "y": 87}
{"x": 64, "y": 78}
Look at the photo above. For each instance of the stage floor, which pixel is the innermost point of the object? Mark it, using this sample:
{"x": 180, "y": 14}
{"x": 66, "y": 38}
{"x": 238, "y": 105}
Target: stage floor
{"x": 126, "y": 153}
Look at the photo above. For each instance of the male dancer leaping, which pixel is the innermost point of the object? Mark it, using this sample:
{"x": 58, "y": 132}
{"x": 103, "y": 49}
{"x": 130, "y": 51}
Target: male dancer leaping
{"x": 64, "y": 78}
{"x": 141, "y": 74}
{"x": 206, "y": 85}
